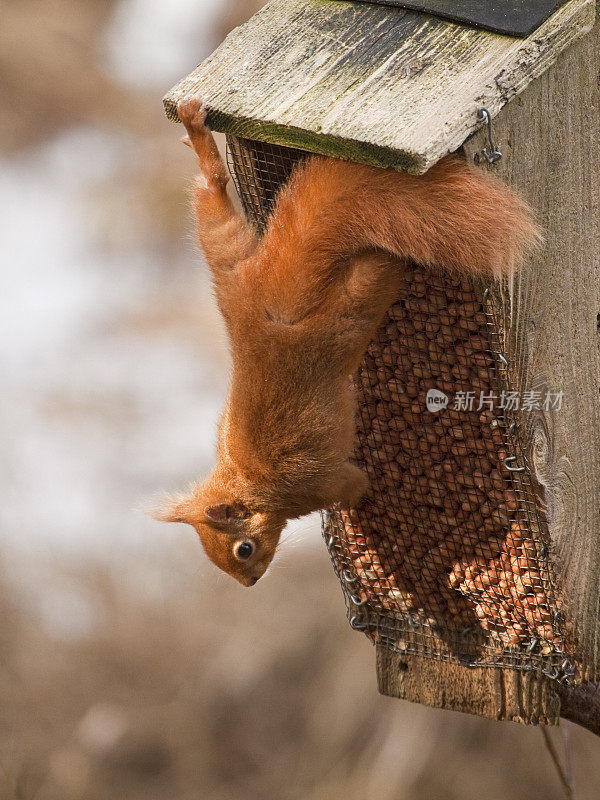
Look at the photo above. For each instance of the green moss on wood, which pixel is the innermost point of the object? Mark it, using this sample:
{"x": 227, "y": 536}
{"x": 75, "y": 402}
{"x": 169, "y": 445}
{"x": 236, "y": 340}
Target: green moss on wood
{"x": 333, "y": 146}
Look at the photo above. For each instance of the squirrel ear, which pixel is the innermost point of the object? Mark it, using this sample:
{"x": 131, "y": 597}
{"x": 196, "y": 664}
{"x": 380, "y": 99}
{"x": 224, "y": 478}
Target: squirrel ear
{"x": 220, "y": 513}
{"x": 173, "y": 509}
{"x": 224, "y": 512}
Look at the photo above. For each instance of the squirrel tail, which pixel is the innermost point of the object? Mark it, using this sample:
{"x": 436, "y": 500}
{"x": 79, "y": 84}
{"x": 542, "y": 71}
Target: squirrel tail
{"x": 455, "y": 216}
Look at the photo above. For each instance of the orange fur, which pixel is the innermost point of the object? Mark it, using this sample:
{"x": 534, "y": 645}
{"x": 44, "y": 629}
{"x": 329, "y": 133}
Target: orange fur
{"x": 301, "y": 305}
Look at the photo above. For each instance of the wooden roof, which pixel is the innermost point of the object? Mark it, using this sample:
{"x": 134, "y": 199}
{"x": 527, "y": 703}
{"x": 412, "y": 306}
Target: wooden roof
{"x": 372, "y": 83}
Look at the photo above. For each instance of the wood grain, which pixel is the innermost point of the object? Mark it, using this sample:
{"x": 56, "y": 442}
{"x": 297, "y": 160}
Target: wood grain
{"x": 500, "y": 694}
{"x": 372, "y": 83}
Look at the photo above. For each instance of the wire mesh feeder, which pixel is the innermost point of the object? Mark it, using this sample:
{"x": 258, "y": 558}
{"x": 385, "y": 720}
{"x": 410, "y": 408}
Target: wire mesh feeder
{"x": 448, "y": 554}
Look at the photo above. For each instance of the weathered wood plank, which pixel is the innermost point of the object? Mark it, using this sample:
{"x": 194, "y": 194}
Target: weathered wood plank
{"x": 493, "y": 693}
{"x": 501, "y": 694}
{"x": 372, "y": 83}
{"x": 549, "y": 137}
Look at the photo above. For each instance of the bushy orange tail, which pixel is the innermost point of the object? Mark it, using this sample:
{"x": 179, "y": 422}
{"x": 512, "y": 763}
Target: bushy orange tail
{"x": 455, "y": 216}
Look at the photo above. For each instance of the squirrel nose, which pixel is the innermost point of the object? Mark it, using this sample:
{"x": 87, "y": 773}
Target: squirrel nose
{"x": 252, "y": 581}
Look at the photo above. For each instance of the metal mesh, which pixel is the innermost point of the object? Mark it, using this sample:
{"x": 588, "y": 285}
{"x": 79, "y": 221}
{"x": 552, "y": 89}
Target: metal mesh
{"x": 447, "y": 556}
{"x": 259, "y": 169}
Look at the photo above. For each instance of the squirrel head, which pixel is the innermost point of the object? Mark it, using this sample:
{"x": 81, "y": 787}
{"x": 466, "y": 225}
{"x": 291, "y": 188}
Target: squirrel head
{"x": 239, "y": 540}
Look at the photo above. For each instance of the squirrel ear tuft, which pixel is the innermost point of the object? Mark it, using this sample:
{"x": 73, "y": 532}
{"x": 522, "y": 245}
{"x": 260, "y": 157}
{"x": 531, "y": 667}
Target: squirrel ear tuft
{"x": 173, "y": 509}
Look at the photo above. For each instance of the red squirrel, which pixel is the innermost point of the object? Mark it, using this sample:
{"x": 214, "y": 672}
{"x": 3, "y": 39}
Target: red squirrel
{"x": 301, "y": 304}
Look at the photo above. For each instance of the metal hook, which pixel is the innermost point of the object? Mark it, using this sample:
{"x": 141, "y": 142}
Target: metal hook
{"x": 492, "y": 153}
{"x": 508, "y": 460}
{"x": 347, "y": 576}
{"x": 357, "y": 601}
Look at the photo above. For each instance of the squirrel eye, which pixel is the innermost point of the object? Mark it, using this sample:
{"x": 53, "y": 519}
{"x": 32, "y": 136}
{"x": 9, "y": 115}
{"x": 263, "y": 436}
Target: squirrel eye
{"x": 243, "y": 550}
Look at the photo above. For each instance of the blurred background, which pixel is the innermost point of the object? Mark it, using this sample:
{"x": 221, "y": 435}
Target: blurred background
{"x": 129, "y": 667}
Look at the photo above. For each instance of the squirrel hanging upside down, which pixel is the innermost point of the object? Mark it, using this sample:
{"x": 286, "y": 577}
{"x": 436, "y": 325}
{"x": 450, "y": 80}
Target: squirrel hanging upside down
{"x": 301, "y": 304}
